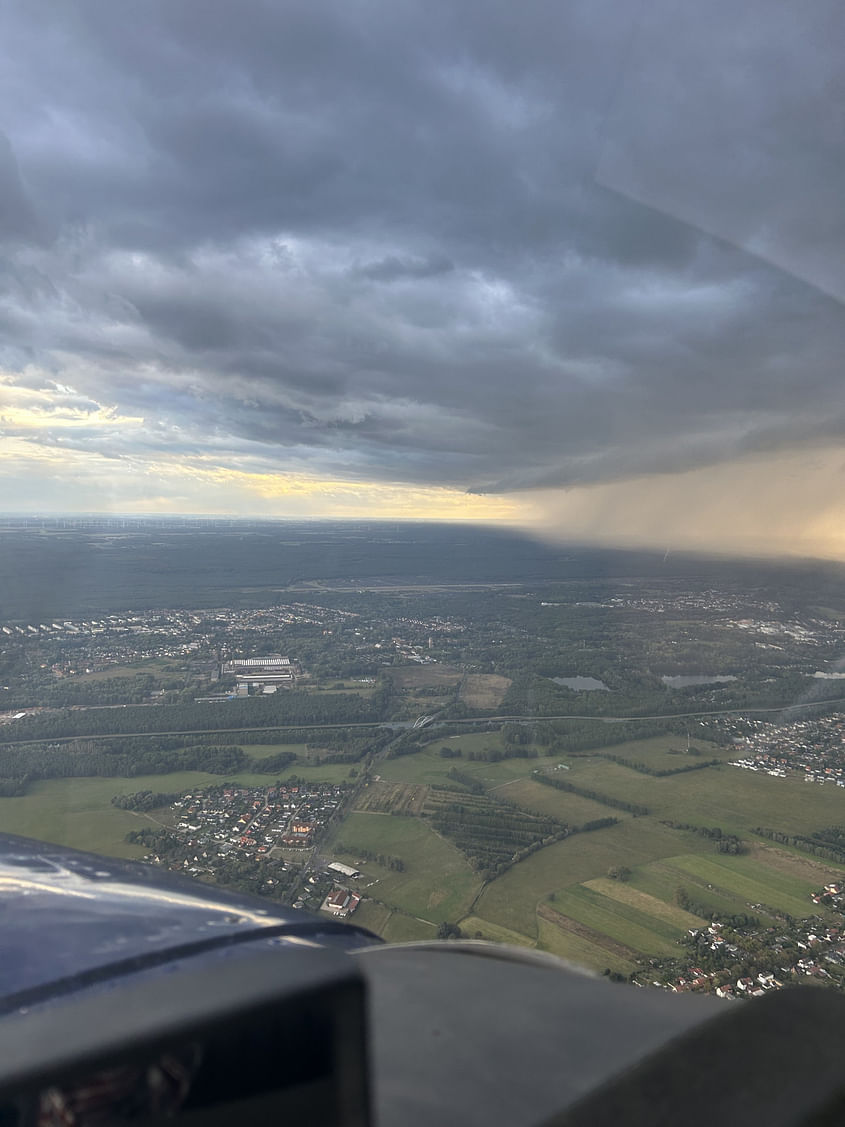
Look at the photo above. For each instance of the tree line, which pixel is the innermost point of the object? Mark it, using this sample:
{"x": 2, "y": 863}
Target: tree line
{"x": 21, "y": 766}
{"x": 725, "y": 843}
{"x": 828, "y": 843}
{"x": 143, "y": 800}
{"x": 584, "y": 792}
{"x": 131, "y": 756}
{"x": 657, "y": 772}
{"x": 733, "y": 921}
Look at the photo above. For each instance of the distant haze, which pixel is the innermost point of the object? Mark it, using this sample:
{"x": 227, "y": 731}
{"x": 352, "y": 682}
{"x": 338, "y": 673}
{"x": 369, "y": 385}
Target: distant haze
{"x": 574, "y": 267}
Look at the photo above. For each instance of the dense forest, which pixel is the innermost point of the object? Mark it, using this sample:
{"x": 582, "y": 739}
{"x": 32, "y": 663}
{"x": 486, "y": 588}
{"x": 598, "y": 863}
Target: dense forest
{"x": 129, "y": 757}
{"x": 289, "y": 707}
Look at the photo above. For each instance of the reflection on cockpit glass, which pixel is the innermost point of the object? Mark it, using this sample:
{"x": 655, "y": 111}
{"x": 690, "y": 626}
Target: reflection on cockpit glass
{"x": 204, "y": 1071}
{"x": 123, "y": 1093}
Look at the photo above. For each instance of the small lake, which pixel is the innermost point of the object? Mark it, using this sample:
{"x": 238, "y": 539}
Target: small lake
{"x": 682, "y": 682}
{"x": 581, "y": 684}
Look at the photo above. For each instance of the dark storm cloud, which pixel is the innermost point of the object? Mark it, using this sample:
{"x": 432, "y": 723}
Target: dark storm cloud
{"x": 478, "y": 245}
{"x": 745, "y": 141}
{"x": 17, "y": 220}
{"x": 392, "y": 268}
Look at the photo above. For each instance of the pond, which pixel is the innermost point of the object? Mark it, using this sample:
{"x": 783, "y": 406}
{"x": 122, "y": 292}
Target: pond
{"x": 684, "y": 681}
{"x": 581, "y": 684}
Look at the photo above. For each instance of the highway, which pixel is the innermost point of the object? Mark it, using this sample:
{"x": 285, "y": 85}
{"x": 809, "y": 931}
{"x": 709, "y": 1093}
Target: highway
{"x": 429, "y": 723}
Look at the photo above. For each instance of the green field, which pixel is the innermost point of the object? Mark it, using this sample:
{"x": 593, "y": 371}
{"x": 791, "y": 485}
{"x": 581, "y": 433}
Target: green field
{"x": 402, "y": 928}
{"x": 724, "y": 796}
{"x": 662, "y": 880}
{"x": 264, "y": 751}
{"x": 437, "y": 883}
{"x": 309, "y": 772}
{"x": 473, "y": 927}
{"x": 512, "y": 899}
{"x": 768, "y": 877}
{"x": 580, "y": 950}
{"x": 371, "y": 915}
{"x": 428, "y": 766}
{"x": 155, "y": 666}
{"x": 333, "y": 687}
{"x": 79, "y": 813}
{"x": 560, "y": 898}
{"x": 621, "y": 922}
{"x": 655, "y": 909}
{"x": 749, "y": 881}
{"x": 571, "y": 809}
{"x": 657, "y": 751}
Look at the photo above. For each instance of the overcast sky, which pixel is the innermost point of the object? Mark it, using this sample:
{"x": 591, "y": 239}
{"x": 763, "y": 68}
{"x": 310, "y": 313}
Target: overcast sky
{"x": 578, "y": 264}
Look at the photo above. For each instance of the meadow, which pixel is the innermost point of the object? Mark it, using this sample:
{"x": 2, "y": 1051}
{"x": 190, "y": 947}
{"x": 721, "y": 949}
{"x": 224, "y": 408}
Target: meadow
{"x": 484, "y": 690}
{"x": 512, "y": 899}
{"x": 78, "y": 812}
{"x": 724, "y": 796}
{"x": 436, "y": 884}
{"x": 561, "y": 899}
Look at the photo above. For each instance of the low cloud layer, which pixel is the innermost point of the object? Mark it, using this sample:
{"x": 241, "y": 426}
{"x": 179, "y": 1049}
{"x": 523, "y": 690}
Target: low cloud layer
{"x": 474, "y": 250}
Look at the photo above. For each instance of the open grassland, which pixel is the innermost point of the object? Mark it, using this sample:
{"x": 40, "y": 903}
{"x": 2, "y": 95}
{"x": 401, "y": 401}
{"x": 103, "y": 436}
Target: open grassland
{"x": 723, "y": 796}
{"x": 392, "y": 925}
{"x": 620, "y": 922}
{"x": 569, "y": 808}
{"x": 264, "y": 751}
{"x": 154, "y": 666}
{"x": 560, "y": 938}
{"x": 371, "y": 915}
{"x": 662, "y": 880}
{"x": 597, "y": 948}
{"x": 424, "y": 676}
{"x": 812, "y": 872}
{"x": 306, "y": 770}
{"x": 668, "y": 753}
{"x": 79, "y": 813}
{"x": 750, "y": 882}
{"x": 605, "y": 923}
{"x": 428, "y": 766}
{"x": 437, "y": 884}
{"x": 473, "y": 927}
{"x": 402, "y": 928}
{"x": 762, "y": 882}
{"x": 512, "y": 899}
{"x": 484, "y": 690}
{"x": 677, "y": 919}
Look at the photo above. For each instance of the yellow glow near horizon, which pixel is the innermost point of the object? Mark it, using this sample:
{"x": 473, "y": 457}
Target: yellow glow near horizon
{"x": 327, "y": 497}
{"x": 72, "y": 478}
{"x": 787, "y": 503}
